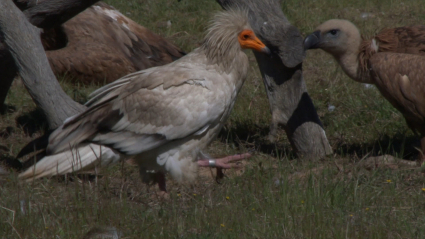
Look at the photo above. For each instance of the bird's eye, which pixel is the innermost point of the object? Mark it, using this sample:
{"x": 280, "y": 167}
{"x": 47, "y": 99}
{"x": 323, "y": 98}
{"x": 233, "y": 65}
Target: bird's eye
{"x": 245, "y": 37}
{"x": 333, "y": 32}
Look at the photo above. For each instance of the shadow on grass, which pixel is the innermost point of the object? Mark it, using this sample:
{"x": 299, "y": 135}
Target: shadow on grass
{"x": 32, "y": 122}
{"x": 10, "y": 162}
{"x": 6, "y": 132}
{"x": 255, "y": 137}
{"x": 7, "y": 109}
{"x": 399, "y": 145}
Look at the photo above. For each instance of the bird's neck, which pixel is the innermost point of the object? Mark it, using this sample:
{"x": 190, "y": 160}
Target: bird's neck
{"x": 354, "y": 63}
{"x": 225, "y": 56}
{"x": 350, "y": 65}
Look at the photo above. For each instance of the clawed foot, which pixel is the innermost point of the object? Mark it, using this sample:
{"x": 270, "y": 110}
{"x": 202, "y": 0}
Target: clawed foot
{"x": 224, "y": 163}
{"x": 228, "y": 162}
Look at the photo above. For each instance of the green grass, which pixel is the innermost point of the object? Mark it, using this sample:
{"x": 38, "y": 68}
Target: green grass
{"x": 275, "y": 196}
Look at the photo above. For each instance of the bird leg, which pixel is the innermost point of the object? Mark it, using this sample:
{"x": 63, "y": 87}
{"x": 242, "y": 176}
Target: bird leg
{"x": 159, "y": 178}
{"x": 219, "y": 164}
{"x": 223, "y": 163}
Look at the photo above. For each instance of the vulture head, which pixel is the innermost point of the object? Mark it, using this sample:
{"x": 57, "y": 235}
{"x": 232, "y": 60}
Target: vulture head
{"x": 336, "y": 36}
{"x": 342, "y": 40}
{"x": 229, "y": 33}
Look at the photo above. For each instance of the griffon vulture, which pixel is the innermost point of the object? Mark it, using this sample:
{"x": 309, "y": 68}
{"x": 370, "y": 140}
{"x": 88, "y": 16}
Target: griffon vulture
{"x": 162, "y": 117}
{"x": 393, "y": 60}
{"x": 101, "y": 45}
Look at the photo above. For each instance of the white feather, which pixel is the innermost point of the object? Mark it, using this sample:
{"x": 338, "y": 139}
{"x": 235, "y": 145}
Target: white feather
{"x": 84, "y": 157}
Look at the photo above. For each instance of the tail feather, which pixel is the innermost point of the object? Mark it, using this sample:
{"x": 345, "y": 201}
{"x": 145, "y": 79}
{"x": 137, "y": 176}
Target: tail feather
{"x": 84, "y": 157}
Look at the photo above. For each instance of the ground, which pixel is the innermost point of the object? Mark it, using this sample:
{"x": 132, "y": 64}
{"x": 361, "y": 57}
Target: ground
{"x": 345, "y": 195}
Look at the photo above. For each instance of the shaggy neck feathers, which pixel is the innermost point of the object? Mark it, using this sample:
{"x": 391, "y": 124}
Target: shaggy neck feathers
{"x": 221, "y": 44}
{"x": 381, "y": 42}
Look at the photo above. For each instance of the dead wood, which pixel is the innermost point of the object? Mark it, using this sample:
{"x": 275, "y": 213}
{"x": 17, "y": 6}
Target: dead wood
{"x": 43, "y": 14}
{"x": 22, "y": 40}
{"x": 52, "y": 13}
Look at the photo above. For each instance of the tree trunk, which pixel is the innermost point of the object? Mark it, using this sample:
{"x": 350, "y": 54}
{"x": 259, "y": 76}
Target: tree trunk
{"x": 41, "y": 13}
{"x": 290, "y": 104}
{"x": 23, "y": 41}
{"x": 49, "y": 14}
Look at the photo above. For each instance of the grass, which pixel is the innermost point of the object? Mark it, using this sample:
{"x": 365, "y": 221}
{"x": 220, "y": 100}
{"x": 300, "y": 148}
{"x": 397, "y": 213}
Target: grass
{"x": 275, "y": 196}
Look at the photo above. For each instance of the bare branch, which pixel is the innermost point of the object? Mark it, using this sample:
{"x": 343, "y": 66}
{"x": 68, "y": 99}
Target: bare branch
{"x": 30, "y": 59}
{"x": 49, "y": 14}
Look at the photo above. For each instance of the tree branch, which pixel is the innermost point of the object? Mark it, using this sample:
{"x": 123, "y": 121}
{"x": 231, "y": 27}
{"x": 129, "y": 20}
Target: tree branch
{"x": 49, "y": 14}
{"x": 23, "y": 41}
{"x": 41, "y": 13}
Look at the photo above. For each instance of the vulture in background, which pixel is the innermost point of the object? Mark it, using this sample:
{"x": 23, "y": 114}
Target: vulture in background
{"x": 161, "y": 117}
{"x": 393, "y": 60}
{"x": 101, "y": 45}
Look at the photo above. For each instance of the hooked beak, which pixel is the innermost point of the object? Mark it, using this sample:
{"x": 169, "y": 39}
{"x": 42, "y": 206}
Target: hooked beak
{"x": 312, "y": 41}
{"x": 266, "y": 50}
{"x": 255, "y": 44}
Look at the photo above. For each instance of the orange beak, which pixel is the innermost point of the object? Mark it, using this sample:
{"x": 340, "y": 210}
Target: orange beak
{"x": 248, "y": 40}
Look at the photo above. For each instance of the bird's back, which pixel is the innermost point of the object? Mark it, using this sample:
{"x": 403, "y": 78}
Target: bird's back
{"x": 100, "y": 44}
{"x": 409, "y": 40}
{"x": 400, "y": 79}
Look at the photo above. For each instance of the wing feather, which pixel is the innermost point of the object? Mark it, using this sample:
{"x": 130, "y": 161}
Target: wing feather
{"x": 401, "y": 79}
{"x": 409, "y": 39}
{"x": 146, "y": 109}
{"x": 100, "y": 44}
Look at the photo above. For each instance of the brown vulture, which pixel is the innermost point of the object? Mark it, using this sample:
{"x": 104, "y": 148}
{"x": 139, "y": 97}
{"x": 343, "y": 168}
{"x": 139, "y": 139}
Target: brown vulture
{"x": 393, "y": 60}
{"x": 101, "y": 45}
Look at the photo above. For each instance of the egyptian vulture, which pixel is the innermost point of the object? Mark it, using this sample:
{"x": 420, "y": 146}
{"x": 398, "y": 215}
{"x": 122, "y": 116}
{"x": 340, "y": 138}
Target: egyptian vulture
{"x": 101, "y": 45}
{"x": 161, "y": 117}
{"x": 393, "y": 60}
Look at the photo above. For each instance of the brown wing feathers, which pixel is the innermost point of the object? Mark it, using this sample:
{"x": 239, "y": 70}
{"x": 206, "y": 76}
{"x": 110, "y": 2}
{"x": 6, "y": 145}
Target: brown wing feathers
{"x": 400, "y": 78}
{"x": 102, "y": 45}
{"x": 410, "y": 40}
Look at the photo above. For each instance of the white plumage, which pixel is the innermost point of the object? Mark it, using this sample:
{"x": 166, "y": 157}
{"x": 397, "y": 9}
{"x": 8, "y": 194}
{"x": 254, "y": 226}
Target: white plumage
{"x": 161, "y": 117}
